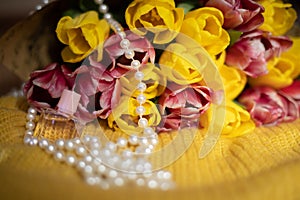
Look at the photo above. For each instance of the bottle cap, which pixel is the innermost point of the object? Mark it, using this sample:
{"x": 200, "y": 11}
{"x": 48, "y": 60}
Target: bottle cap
{"x": 68, "y": 102}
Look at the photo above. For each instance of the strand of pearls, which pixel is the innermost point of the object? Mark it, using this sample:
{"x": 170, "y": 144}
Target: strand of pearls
{"x": 113, "y": 163}
{"x": 149, "y": 137}
{"x": 40, "y": 6}
{"x": 105, "y": 165}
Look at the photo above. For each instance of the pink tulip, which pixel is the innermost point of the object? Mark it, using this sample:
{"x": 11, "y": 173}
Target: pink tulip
{"x": 252, "y": 51}
{"x": 99, "y": 93}
{"x": 293, "y": 91}
{"x": 114, "y": 61}
{"x": 240, "y": 15}
{"x": 45, "y": 86}
{"x": 181, "y": 106}
{"x": 268, "y": 106}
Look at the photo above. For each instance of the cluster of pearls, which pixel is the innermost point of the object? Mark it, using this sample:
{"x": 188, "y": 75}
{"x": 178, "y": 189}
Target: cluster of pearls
{"x": 105, "y": 165}
{"x": 114, "y": 163}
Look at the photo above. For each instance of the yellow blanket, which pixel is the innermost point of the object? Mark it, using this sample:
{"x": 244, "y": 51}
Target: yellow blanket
{"x": 264, "y": 164}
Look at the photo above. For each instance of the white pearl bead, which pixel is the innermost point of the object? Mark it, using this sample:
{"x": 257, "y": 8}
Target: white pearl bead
{"x": 139, "y": 167}
{"x": 135, "y": 64}
{"x": 29, "y": 132}
{"x": 139, "y": 75}
{"x": 143, "y": 141}
{"x": 105, "y": 152}
{"x": 103, "y": 8}
{"x": 95, "y": 152}
{"x": 69, "y": 145}
{"x": 133, "y": 139}
{"x": 50, "y": 148}
{"x": 154, "y": 141}
{"x": 126, "y": 164}
{"x": 111, "y": 146}
{"x": 95, "y": 145}
{"x": 88, "y": 169}
{"x": 38, "y": 7}
{"x": 87, "y": 139}
{"x": 27, "y": 139}
{"x": 80, "y": 150}
{"x": 98, "y": 1}
{"x": 143, "y": 122}
{"x": 32, "y": 111}
{"x": 140, "y": 182}
{"x": 96, "y": 162}
{"x": 43, "y": 143}
{"x": 129, "y": 54}
{"x": 81, "y": 164}
{"x": 91, "y": 180}
{"x": 76, "y": 141}
{"x": 107, "y": 16}
{"x": 122, "y": 34}
{"x": 94, "y": 139}
{"x": 60, "y": 143}
{"x": 122, "y": 142}
{"x": 34, "y": 141}
{"x": 141, "y": 98}
{"x": 167, "y": 175}
{"x": 140, "y": 110}
{"x": 70, "y": 159}
{"x": 127, "y": 153}
{"x": 148, "y": 167}
{"x": 30, "y": 125}
{"x": 112, "y": 173}
{"x": 30, "y": 116}
{"x": 101, "y": 168}
{"x": 149, "y": 131}
{"x": 59, "y": 156}
{"x": 125, "y": 43}
{"x": 152, "y": 184}
{"x": 141, "y": 86}
{"x": 112, "y": 160}
{"x": 119, "y": 181}
{"x": 88, "y": 158}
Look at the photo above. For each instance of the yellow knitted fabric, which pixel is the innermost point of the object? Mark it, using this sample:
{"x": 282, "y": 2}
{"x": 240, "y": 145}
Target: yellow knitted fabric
{"x": 264, "y": 164}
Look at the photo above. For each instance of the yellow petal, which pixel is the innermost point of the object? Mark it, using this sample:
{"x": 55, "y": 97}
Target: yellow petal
{"x": 69, "y": 56}
{"x": 279, "y": 76}
{"x": 63, "y": 24}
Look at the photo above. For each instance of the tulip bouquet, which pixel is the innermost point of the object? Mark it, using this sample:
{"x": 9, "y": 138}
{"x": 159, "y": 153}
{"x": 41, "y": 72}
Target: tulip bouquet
{"x": 245, "y": 39}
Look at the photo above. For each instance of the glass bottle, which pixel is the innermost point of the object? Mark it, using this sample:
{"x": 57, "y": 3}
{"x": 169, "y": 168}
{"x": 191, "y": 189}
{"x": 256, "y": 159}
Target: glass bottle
{"x": 60, "y": 123}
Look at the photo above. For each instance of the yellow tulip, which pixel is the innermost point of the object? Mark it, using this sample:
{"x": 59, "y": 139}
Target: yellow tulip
{"x": 293, "y": 56}
{"x": 279, "y": 16}
{"x": 279, "y": 76}
{"x": 153, "y": 78}
{"x": 237, "y": 120}
{"x": 234, "y": 81}
{"x": 159, "y": 17}
{"x": 204, "y": 25}
{"x": 125, "y": 118}
{"x": 179, "y": 64}
{"x": 83, "y": 34}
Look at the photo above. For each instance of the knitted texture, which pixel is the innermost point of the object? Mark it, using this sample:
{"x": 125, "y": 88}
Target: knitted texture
{"x": 264, "y": 164}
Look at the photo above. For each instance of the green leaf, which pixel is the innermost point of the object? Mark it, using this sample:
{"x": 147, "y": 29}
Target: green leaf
{"x": 186, "y": 7}
{"x": 234, "y": 36}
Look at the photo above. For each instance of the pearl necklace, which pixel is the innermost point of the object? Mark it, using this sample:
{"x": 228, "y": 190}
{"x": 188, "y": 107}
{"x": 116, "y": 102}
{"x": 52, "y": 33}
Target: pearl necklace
{"x": 101, "y": 164}
{"x": 109, "y": 164}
